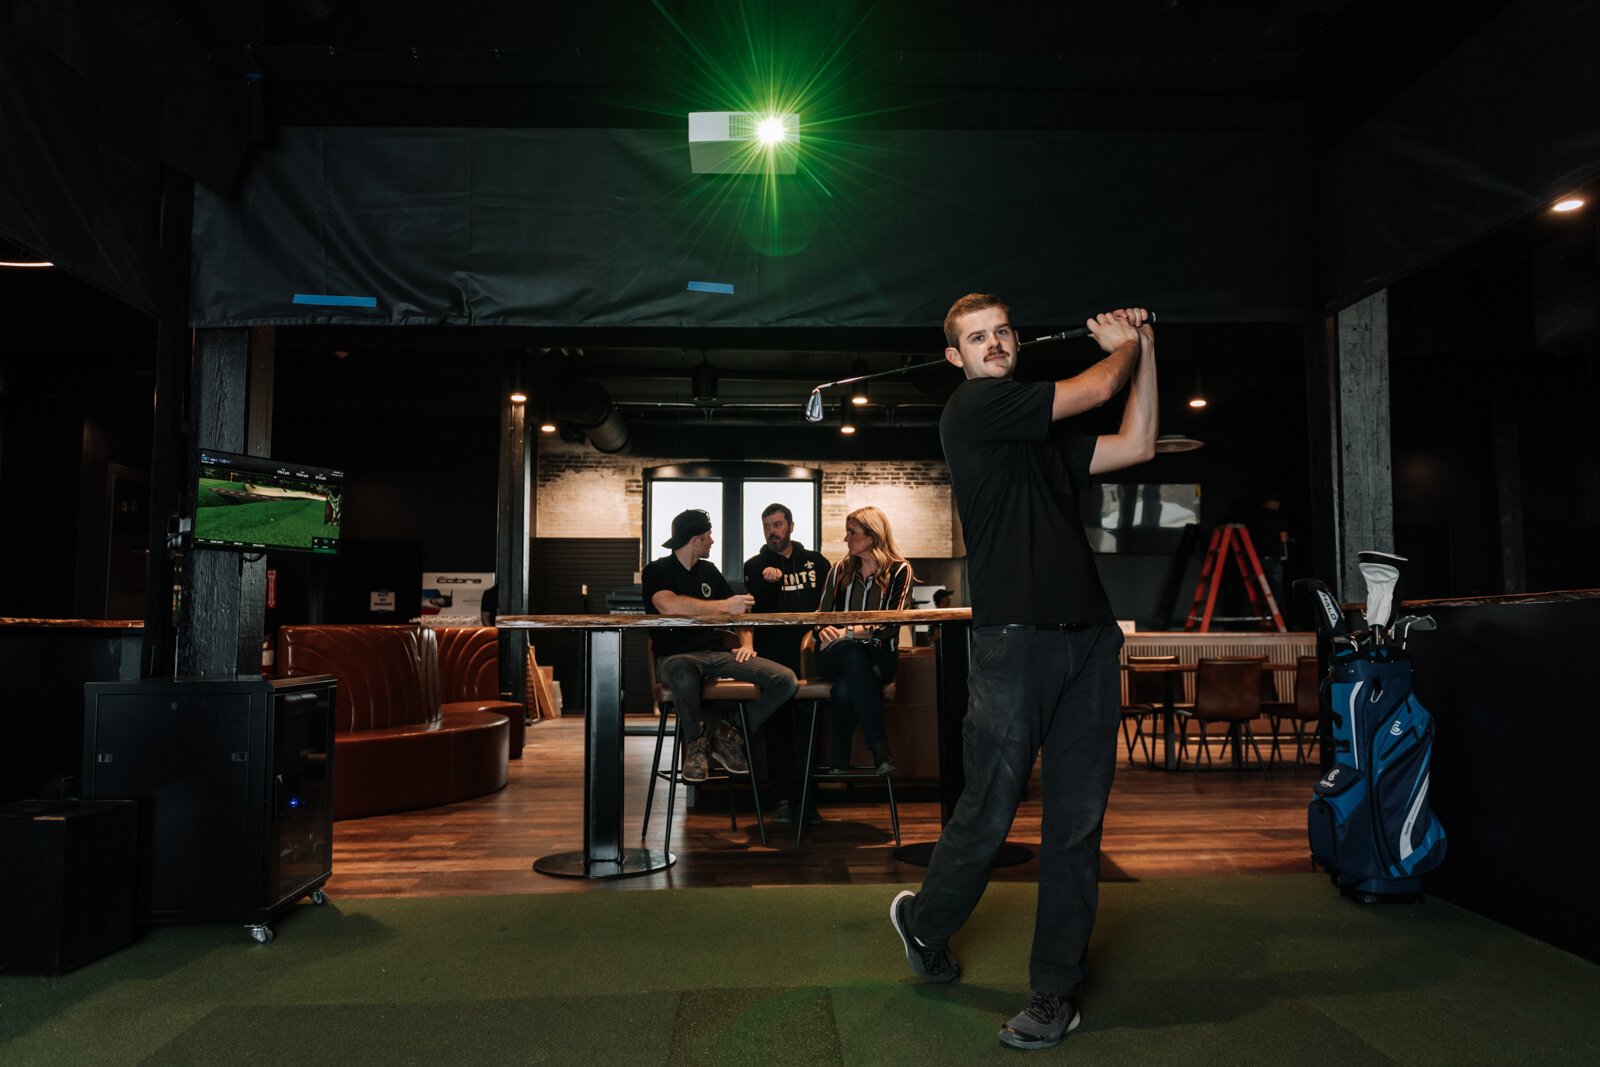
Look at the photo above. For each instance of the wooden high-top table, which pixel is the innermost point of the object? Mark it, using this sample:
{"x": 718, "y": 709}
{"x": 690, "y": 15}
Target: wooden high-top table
{"x": 603, "y": 854}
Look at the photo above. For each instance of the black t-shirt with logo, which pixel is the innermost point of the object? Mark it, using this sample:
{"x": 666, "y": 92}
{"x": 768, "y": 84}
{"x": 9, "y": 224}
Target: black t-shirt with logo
{"x": 1017, "y": 479}
{"x": 797, "y": 590}
{"x": 703, "y": 582}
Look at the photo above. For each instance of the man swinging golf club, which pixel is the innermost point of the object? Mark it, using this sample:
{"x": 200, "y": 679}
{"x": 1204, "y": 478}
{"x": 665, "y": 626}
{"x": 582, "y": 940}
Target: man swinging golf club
{"x": 1044, "y": 672}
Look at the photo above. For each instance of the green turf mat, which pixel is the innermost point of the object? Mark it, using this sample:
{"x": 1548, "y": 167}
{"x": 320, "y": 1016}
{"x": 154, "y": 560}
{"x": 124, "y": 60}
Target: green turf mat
{"x": 1270, "y": 970}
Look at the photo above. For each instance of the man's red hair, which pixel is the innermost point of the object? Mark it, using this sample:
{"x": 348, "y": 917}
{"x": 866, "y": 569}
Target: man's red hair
{"x": 966, "y": 306}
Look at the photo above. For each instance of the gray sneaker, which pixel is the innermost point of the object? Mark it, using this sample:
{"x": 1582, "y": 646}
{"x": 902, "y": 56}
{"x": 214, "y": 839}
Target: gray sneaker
{"x": 928, "y": 964}
{"x": 727, "y": 748}
{"x": 1048, "y": 1018}
{"x": 694, "y": 759}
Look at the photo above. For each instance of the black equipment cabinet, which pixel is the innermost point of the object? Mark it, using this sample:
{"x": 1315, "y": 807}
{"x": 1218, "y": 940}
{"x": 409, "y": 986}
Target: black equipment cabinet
{"x": 234, "y": 779}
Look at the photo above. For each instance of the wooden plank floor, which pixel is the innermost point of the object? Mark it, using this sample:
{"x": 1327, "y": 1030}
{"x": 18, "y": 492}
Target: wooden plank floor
{"x": 1159, "y": 824}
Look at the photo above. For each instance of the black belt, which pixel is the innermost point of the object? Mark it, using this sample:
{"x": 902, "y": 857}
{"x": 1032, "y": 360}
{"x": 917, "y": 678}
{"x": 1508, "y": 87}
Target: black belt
{"x": 1052, "y": 627}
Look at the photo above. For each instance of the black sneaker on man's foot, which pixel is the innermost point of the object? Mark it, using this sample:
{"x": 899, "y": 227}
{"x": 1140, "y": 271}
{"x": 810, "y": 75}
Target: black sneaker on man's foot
{"x": 1047, "y": 1019}
{"x": 928, "y": 964}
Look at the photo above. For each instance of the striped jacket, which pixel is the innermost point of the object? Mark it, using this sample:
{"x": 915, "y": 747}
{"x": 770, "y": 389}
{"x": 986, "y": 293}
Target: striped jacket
{"x": 866, "y": 595}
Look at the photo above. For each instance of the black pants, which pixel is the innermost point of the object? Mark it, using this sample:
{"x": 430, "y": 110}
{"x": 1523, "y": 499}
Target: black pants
{"x": 858, "y": 671}
{"x": 1031, "y": 692}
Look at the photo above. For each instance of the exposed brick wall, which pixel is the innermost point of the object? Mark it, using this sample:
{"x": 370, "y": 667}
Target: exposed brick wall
{"x": 584, "y": 493}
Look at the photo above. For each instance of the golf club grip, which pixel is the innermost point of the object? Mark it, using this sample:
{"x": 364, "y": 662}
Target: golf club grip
{"x": 1081, "y": 331}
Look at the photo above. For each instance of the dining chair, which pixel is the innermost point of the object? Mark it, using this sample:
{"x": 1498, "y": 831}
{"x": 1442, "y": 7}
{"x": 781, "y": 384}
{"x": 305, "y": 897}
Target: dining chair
{"x": 1275, "y": 714}
{"x": 1227, "y": 690}
{"x": 1147, "y": 695}
{"x": 1307, "y": 714}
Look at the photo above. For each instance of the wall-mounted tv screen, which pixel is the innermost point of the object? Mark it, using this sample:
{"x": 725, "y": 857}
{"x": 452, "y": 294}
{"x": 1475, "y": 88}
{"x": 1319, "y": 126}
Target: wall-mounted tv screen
{"x": 252, "y": 504}
{"x": 1146, "y": 518}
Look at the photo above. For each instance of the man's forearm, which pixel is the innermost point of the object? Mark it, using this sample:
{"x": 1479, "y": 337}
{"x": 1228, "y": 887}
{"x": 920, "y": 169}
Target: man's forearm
{"x": 677, "y": 604}
{"x": 1140, "y": 418}
{"x": 1086, "y": 391}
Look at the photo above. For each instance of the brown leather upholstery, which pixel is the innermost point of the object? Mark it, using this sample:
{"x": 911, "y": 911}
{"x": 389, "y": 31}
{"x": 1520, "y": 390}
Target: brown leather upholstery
{"x": 388, "y": 675}
{"x": 396, "y": 747}
{"x": 1228, "y": 690}
{"x": 469, "y": 675}
{"x": 1307, "y": 689}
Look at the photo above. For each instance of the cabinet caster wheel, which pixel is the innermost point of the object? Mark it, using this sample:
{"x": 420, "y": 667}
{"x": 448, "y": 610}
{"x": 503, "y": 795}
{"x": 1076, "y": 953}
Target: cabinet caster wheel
{"x": 318, "y": 897}
{"x": 260, "y": 932}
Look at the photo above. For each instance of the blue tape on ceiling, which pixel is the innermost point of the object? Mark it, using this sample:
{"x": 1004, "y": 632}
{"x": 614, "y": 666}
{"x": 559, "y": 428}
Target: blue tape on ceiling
{"x": 711, "y": 287}
{"x": 325, "y": 300}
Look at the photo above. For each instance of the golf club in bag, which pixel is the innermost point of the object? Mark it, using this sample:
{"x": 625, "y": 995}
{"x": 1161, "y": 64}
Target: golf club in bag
{"x": 1369, "y": 822}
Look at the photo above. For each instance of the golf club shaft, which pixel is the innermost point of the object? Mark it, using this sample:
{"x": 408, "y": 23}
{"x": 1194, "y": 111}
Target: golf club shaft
{"x": 1065, "y": 335}
{"x": 813, "y": 406}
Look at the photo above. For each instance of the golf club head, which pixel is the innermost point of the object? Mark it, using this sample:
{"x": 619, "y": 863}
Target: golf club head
{"x": 814, "y": 406}
{"x": 1404, "y": 628}
{"x": 1330, "y": 618}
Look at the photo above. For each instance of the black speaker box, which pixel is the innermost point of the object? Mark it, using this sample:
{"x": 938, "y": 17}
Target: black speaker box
{"x": 67, "y": 894}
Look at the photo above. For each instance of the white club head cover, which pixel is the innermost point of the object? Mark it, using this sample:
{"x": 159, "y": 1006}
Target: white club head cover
{"x": 1381, "y": 574}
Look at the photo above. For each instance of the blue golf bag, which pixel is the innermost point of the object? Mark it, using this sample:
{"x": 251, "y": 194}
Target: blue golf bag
{"x": 1370, "y": 824}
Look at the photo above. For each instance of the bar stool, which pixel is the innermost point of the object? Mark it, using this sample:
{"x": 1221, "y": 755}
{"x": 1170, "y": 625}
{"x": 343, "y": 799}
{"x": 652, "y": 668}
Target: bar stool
{"x": 725, "y": 690}
{"x": 817, "y": 691}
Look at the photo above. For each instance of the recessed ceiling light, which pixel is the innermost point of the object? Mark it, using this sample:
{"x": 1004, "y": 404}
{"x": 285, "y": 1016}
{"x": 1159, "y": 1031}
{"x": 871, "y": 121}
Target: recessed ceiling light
{"x": 1198, "y": 402}
{"x": 1571, "y": 203}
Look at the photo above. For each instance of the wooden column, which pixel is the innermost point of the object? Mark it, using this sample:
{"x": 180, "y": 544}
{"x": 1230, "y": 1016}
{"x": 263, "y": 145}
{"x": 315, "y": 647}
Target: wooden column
{"x": 221, "y": 618}
{"x": 1364, "y": 486}
{"x": 515, "y": 505}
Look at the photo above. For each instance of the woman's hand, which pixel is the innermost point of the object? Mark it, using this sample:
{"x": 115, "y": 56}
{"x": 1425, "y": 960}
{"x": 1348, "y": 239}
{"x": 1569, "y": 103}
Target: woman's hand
{"x": 828, "y": 635}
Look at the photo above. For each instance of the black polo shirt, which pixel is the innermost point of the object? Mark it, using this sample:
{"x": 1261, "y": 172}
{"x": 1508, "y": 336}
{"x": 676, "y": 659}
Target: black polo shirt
{"x": 703, "y": 582}
{"x": 1017, "y": 480}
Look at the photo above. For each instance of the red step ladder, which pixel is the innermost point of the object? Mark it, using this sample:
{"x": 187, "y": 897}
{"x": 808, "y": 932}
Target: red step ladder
{"x": 1234, "y": 538}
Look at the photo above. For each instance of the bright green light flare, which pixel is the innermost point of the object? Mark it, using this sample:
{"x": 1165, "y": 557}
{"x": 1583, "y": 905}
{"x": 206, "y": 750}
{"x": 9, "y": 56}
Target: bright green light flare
{"x": 771, "y": 131}
{"x": 742, "y": 67}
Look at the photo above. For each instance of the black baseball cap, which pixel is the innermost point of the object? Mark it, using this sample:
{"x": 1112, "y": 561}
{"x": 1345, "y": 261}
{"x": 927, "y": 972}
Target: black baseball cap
{"x": 687, "y": 524}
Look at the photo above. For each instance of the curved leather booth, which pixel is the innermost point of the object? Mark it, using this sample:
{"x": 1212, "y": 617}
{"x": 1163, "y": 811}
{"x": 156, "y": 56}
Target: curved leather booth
{"x": 397, "y": 746}
{"x": 469, "y": 674}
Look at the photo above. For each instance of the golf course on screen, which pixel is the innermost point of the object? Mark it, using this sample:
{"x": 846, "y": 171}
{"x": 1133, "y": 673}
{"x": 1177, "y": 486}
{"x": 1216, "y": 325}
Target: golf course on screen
{"x": 237, "y": 511}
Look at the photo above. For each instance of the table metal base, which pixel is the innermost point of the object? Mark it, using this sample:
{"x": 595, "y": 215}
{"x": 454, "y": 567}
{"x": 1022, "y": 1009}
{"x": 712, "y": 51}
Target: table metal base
{"x": 634, "y": 861}
{"x": 918, "y": 855}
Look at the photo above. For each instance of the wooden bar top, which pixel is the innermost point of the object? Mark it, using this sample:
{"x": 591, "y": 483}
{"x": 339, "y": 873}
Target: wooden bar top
{"x": 780, "y": 618}
{"x": 71, "y": 624}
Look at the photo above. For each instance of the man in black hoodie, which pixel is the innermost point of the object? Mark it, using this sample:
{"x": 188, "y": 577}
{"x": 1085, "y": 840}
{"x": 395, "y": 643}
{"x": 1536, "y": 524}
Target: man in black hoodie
{"x": 784, "y": 576}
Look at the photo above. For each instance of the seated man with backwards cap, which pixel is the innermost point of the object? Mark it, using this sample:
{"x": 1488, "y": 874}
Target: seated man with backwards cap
{"x": 684, "y": 583}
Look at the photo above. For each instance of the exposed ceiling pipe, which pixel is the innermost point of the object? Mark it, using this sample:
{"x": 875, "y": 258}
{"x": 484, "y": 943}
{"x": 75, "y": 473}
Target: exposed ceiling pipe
{"x": 588, "y": 407}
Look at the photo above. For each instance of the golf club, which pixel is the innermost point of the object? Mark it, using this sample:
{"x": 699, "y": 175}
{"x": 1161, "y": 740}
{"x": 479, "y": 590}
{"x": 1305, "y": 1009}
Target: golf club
{"x": 814, "y": 401}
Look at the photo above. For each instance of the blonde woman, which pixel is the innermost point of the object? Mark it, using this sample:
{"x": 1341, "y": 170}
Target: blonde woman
{"x": 859, "y": 660}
